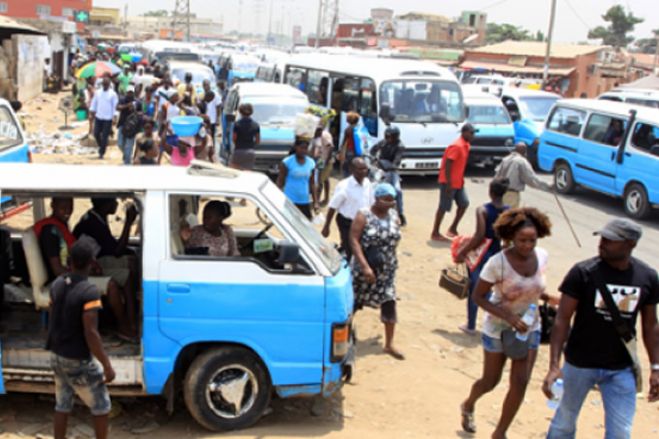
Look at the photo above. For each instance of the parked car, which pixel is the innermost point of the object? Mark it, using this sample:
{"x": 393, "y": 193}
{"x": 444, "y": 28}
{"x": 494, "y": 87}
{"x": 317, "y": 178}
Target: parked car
{"x": 609, "y": 147}
{"x": 275, "y": 109}
{"x": 529, "y": 110}
{"x": 226, "y": 333}
{"x": 496, "y": 133}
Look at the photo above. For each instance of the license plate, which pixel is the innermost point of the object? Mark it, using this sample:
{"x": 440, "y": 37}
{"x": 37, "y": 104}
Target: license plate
{"x": 426, "y": 165}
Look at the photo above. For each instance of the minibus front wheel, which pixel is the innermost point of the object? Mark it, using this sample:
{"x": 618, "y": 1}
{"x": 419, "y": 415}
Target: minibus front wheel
{"x": 636, "y": 201}
{"x": 227, "y": 388}
{"x": 563, "y": 178}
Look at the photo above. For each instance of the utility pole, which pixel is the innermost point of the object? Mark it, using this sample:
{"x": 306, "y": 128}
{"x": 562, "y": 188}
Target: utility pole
{"x": 318, "y": 23}
{"x": 550, "y": 32}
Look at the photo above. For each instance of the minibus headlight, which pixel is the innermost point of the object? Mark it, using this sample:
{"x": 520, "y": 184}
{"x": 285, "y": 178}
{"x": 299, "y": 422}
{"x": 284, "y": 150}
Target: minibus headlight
{"x": 340, "y": 341}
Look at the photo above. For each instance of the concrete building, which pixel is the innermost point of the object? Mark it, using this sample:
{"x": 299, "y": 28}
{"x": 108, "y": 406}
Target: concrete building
{"x": 383, "y": 22}
{"x": 575, "y": 68}
{"x": 43, "y": 8}
{"x": 200, "y": 28}
{"x": 105, "y": 16}
{"x": 430, "y": 29}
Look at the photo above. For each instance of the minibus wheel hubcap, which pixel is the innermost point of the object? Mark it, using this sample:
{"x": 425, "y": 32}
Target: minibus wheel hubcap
{"x": 634, "y": 201}
{"x": 561, "y": 178}
{"x": 231, "y": 391}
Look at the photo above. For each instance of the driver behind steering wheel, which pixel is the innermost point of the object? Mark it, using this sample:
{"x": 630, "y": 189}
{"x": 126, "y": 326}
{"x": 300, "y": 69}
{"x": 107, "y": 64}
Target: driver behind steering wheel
{"x": 212, "y": 237}
{"x": 388, "y": 154}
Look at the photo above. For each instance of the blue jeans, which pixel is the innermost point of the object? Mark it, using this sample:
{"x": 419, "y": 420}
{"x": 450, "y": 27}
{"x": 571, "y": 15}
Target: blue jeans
{"x": 618, "y": 389}
{"x": 126, "y": 146}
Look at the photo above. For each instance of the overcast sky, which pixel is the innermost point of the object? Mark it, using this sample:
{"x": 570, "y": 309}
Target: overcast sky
{"x": 573, "y": 17}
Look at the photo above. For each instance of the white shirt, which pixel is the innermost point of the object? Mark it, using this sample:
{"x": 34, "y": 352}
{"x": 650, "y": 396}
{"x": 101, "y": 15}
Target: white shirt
{"x": 161, "y": 93}
{"x": 211, "y": 108}
{"x": 350, "y": 197}
{"x": 104, "y": 103}
{"x": 172, "y": 111}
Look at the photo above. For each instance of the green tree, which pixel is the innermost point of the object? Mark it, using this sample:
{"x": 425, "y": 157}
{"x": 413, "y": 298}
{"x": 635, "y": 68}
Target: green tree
{"x": 620, "y": 24}
{"x": 497, "y": 33}
{"x": 648, "y": 45}
{"x": 156, "y": 13}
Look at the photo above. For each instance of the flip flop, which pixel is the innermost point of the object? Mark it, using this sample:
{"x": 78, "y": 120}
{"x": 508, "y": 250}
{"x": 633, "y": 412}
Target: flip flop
{"x": 468, "y": 423}
{"x": 397, "y": 355}
{"x": 440, "y": 238}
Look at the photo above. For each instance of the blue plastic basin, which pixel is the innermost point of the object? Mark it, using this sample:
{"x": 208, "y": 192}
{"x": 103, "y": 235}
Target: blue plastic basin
{"x": 186, "y": 126}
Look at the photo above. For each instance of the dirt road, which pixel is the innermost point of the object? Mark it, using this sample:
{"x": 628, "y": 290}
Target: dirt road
{"x": 415, "y": 398}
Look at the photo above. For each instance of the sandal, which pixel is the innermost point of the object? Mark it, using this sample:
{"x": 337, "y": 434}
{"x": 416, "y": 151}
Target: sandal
{"x": 394, "y": 353}
{"x": 468, "y": 423}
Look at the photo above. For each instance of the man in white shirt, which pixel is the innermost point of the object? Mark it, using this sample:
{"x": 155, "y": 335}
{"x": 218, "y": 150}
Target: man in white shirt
{"x": 104, "y": 104}
{"x": 519, "y": 172}
{"x": 350, "y": 196}
{"x": 213, "y": 102}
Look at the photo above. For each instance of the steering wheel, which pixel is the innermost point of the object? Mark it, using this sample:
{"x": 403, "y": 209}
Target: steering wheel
{"x": 259, "y": 235}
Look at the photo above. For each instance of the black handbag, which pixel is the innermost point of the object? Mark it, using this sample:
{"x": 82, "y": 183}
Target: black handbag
{"x": 455, "y": 280}
{"x": 375, "y": 258}
{"x": 547, "y": 318}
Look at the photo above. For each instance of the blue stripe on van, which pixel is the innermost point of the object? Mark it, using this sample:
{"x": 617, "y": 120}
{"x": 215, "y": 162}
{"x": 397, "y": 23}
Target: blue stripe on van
{"x": 277, "y": 135}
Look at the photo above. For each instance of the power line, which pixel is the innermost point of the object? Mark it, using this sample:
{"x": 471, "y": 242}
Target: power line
{"x": 491, "y": 5}
{"x": 576, "y": 14}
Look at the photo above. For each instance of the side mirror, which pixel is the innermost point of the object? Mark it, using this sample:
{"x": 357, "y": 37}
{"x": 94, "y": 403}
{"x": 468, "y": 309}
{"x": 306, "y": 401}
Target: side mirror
{"x": 386, "y": 114}
{"x": 230, "y": 117}
{"x": 289, "y": 253}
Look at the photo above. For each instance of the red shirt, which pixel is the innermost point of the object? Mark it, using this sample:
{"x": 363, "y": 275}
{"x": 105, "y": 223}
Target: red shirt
{"x": 458, "y": 153}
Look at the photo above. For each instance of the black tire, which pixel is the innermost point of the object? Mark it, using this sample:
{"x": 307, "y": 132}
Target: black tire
{"x": 223, "y": 367}
{"x": 563, "y": 178}
{"x": 636, "y": 201}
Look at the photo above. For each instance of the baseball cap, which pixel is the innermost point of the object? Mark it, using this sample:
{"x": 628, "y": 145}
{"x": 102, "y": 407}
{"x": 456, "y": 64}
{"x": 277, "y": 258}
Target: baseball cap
{"x": 621, "y": 229}
{"x": 468, "y": 127}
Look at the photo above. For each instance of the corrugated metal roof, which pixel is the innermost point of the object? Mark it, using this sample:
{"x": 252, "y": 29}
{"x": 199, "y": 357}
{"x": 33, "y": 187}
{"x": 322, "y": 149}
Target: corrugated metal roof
{"x": 7, "y": 23}
{"x": 507, "y": 68}
{"x": 536, "y": 48}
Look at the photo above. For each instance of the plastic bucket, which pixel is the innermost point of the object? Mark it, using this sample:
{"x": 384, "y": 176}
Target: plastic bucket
{"x": 81, "y": 114}
{"x": 186, "y": 126}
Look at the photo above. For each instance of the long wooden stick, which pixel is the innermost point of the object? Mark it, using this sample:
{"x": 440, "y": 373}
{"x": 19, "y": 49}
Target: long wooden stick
{"x": 567, "y": 219}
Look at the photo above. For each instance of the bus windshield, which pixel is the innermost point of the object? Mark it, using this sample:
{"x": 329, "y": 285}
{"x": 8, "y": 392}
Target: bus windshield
{"x": 422, "y": 101}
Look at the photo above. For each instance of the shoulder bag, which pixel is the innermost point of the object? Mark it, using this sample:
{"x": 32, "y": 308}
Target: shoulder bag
{"x": 455, "y": 280}
{"x": 624, "y": 331}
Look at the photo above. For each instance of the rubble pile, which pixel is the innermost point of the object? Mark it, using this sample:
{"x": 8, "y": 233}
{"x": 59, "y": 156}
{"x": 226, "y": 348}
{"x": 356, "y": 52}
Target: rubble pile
{"x": 61, "y": 143}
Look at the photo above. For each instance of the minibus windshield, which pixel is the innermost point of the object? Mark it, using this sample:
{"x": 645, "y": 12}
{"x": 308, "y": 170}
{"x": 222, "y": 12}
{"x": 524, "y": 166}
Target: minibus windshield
{"x": 422, "y": 101}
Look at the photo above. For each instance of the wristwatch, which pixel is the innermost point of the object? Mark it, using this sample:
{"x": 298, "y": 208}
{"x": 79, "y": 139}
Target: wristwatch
{"x": 654, "y": 367}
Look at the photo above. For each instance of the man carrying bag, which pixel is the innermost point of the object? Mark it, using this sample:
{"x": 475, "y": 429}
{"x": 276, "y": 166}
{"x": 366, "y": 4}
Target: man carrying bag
{"x": 605, "y": 294}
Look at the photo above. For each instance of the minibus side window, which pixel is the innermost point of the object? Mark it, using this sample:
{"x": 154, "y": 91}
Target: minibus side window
{"x": 317, "y": 86}
{"x": 296, "y": 77}
{"x": 646, "y": 138}
{"x": 368, "y": 106}
{"x": 604, "y": 129}
{"x": 566, "y": 120}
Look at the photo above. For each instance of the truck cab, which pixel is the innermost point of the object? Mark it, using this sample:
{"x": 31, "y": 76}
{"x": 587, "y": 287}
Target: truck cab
{"x": 224, "y": 333}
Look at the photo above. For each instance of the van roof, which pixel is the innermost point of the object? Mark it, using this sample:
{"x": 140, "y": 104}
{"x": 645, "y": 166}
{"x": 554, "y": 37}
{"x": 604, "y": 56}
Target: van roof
{"x": 380, "y": 69}
{"x": 519, "y": 92}
{"x": 612, "y": 107}
{"x": 268, "y": 89}
{"x": 472, "y": 96}
{"x": 100, "y": 178}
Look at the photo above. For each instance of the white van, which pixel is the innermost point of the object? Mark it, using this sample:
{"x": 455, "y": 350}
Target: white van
{"x": 645, "y": 97}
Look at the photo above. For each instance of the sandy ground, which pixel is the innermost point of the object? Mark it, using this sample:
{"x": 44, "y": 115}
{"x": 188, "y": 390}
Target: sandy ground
{"x": 415, "y": 398}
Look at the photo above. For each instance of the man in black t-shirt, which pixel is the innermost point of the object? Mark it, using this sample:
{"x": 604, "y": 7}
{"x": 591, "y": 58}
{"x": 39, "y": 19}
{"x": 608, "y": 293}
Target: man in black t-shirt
{"x": 595, "y": 353}
{"x": 72, "y": 339}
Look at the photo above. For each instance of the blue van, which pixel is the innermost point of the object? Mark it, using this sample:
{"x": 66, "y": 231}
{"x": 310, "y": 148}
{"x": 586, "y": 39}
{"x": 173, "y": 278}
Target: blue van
{"x": 225, "y": 333}
{"x": 496, "y": 134}
{"x": 529, "y": 110}
{"x": 13, "y": 146}
{"x": 607, "y": 146}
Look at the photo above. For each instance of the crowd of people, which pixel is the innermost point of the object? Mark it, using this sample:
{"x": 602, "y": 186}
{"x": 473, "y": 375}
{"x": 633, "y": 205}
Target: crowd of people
{"x": 596, "y": 311}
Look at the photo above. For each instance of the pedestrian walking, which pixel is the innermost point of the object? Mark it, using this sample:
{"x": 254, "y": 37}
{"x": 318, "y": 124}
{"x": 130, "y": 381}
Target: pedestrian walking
{"x": 129, "y": 123}
{"x": 604, "y": 294}
{"x": 351, "y": 195}
{"x": 348, "y": 150}
{"x": 213, "y": 103}
{"x": 484, "y": 241}
{"x": 511, "y": 328}
{"x": 389, "y": 155}
{"x": 246, "y": 137}
{"x": 322, "y": 147}
{"x": 102, "y": 110}
{"x": 73, "y": 338}
{"x": 147, "y": 145}
{"x": 296, "y": 178}
{"x": 519, "y": 172}
{"x": 374, "y": 236}
{"x": 451, "y": 183}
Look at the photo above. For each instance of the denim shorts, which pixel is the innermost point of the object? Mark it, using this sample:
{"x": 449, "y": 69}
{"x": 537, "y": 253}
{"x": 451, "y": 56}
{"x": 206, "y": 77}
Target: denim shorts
{"x": 495, "y": 346}
{"x": 446, "y": 201}
{"x": 83, "y": 378}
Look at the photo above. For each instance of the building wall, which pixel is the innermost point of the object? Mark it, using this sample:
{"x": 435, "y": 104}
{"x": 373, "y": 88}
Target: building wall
{"x": 411, "y": 29}
{"x": 28, "y": 8}
{"x": 30, "y": 50}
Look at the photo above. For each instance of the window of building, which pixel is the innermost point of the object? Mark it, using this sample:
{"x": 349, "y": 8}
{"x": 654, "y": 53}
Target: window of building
{"x": 4, "y": 8}
{"x": 567, "y": 120}
{"x": 43, "y": 10}
{"x": 67, "y": 12}
{"x": 605, "y": 129}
